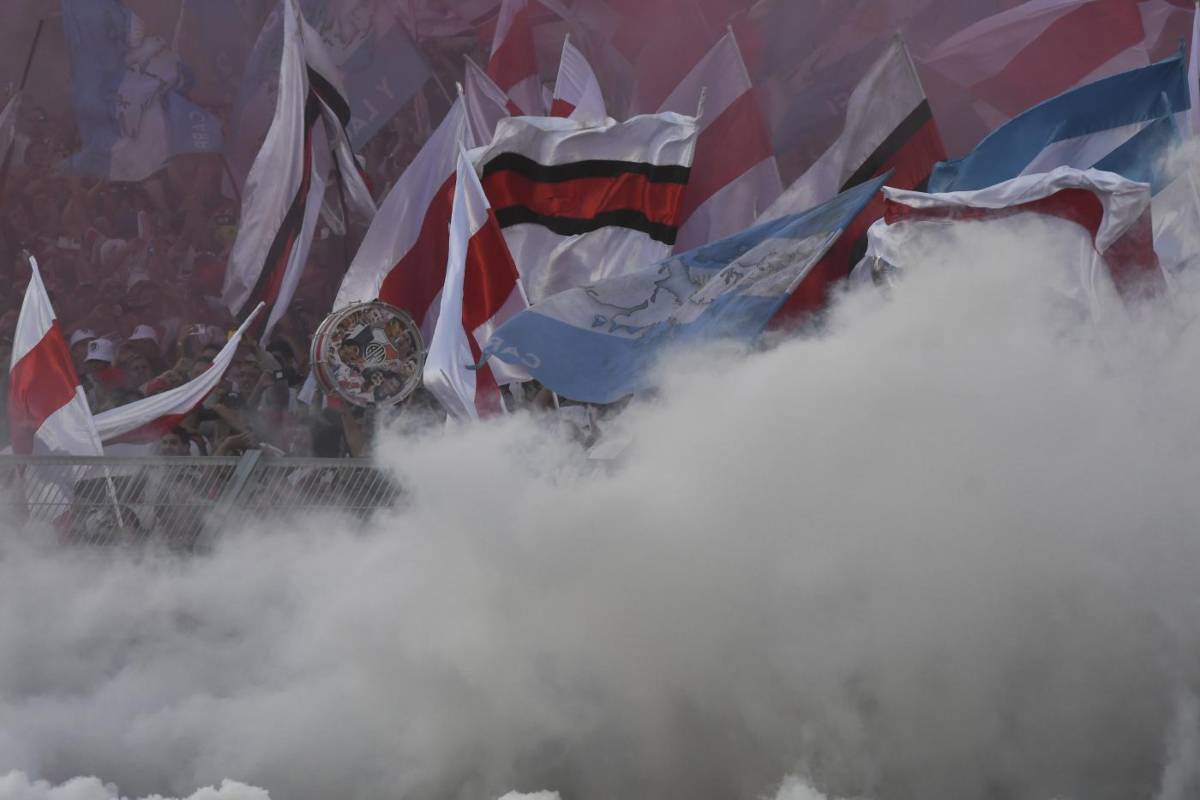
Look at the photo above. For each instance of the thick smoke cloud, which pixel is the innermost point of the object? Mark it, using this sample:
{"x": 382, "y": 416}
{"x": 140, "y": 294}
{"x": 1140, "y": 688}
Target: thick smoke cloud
{"x": 947, "y": 548}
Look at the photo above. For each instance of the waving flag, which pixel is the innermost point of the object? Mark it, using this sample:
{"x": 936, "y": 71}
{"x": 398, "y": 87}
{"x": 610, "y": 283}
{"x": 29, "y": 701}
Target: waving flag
{"x": 482, "y": 291}
{"x": 1124, "y": 118}
{"x": 283, "y": 194}
{"x": 513, "y": 64}
{"x": 402, "y": 259}
{"x": 599, "y": 343}
{"x": 1114, "y": 212}
{"x": 1002, "y": 65}
{"x": 148, "y": 419}
{"x": 47, "y": 409}
{"x": 579, "y": 203}
{"x": 486, "y": 103}
{"x": 214, "y": 38}
{"x": 735, "y": 176}
{"x": 577, "y": 93}
{"x": 125, "y": 85}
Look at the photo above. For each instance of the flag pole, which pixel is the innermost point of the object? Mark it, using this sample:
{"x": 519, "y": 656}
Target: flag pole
{"x": 232, "y": 181}
{"x": 37, "y": 35}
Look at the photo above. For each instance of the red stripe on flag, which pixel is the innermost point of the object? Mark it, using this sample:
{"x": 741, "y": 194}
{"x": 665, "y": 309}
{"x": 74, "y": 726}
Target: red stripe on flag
{"x": 726, "y": 149}
{"x": 152, "y": 431}
{"x": 490, "y": 279}
{"x": 41, "y": 383}
{"x": 586, "y": 198}
{"x": 561, "y": 108}
{"x": 515, "y": 59}
{"x": 1071, "y": 48}
{"x": 417, "y": 278}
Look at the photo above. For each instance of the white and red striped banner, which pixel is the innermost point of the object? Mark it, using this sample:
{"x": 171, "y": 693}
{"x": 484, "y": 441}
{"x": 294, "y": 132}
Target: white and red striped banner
{"x": 577, "y": 93}
{"x": 402, "y": 259}
{"x": 148, "y": 419}
{"x": 579, "y": 203}
{"x": 734, "y": 176}
{"x": 47, "y": 409}
{"x": 481, "y": 292}
{"x": 513, "y": 63}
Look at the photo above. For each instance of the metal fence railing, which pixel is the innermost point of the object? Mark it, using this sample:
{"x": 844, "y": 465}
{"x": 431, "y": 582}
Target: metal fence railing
{"x": 182, "y": 501}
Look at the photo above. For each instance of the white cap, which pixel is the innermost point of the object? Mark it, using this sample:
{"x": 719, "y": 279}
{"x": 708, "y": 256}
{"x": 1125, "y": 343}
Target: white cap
{"x": 100, "y": 350}
{"x": 81, "y": 335}
{"x": 144, "y": 332}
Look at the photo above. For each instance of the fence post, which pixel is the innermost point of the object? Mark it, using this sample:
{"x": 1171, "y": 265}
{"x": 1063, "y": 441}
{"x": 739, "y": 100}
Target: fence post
{"x": 237, "y": 484}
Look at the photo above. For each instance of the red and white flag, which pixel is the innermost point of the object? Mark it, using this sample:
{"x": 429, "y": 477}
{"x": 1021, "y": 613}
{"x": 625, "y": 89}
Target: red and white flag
{"x": 148, "y": 419}
{"x": 579, "y": 203}
{"x": 889, "y": 127}
{"x": 734, "y": 176}
{"x": 402, "y": 258}
{"x": 995, "y": 69}
{"x": 577, "y": 93}
{"x": 47, "y": 409}
{"x": 481, "y": 292}
{"x": 486, "y": 103}
{"x": 283, "y": 194}
{"x": 513, "y": 64}
{"x": 1114, "y": 213}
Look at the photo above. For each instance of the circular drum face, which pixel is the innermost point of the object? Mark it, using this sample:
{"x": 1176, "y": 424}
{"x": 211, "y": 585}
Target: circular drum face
{"x": 369, "y": 354}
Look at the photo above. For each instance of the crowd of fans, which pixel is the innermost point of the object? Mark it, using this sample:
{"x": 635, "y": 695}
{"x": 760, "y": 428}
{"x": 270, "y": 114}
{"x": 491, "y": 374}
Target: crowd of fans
{"x": 135, "y": 271}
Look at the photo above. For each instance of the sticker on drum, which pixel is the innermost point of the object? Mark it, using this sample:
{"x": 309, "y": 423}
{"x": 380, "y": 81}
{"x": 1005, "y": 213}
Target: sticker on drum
{"x": 369, "y": 354}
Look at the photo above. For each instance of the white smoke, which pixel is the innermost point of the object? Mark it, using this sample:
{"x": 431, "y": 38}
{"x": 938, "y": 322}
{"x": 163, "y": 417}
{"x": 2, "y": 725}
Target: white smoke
{"x": 946, "y": 549}
{"x": 16, "y": 785}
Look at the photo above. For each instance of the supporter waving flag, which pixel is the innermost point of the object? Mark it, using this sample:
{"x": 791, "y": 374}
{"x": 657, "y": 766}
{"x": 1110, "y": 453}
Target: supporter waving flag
{"x": 599, "y": 343}
{"x": 579, "y": 203}
{"x": 149, "y": 419}
{"x": 286, "y": 185}
{"x": 481, "y": 292}
{"x": 47, "y": 409}
{"x": 1122, "y": 124}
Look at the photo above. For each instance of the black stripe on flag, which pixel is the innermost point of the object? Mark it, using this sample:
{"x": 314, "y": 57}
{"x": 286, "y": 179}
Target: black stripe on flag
{"x": 329, "y": 95}
{"x": 569, "y": 226}
{"x": 576, "y": 170}
{"x": 905, "y": 131}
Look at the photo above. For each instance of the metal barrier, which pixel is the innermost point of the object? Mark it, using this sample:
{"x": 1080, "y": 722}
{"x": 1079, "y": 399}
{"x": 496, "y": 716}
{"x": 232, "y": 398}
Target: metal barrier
{"x": 182, "y": 501}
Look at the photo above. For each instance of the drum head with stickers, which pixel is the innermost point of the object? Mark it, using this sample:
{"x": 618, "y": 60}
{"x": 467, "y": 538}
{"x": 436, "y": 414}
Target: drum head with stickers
{"x": 369, "y": 354}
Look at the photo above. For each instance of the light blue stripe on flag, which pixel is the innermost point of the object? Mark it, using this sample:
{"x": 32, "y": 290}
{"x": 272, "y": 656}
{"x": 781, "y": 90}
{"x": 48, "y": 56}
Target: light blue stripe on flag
{"x": 1136, "y": 97}
{"x": 600, "y": 343}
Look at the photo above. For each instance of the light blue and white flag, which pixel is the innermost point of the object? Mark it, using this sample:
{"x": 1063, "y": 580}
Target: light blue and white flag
{"x": 599, "y": 343}
{"x": 1122, "y": 123}
{"x": 126, "y": 89}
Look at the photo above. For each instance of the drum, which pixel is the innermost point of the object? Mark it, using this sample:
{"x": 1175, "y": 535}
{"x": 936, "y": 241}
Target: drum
{"x": 369, "y": 354}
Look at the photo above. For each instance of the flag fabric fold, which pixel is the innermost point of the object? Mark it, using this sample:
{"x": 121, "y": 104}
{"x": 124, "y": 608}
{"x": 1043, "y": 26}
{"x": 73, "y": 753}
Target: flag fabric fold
{"x": 579, "y": 203}
{"x": 148, "y": 419}
{"x": 1079, "y": 128}
{"x": 486, "y": 103}
{"x": 577, "y": 93}
{"x": 735, "y": 177}
{"x": 1113, "y": 211}
{"x": 47, "y": 409}
{"x": 513, "y": 63}
{"x": 402, "y": 258}
{"x": 601, "y": 342}
{"x": 481, "y": 291}
{"x": 126, "y": 90}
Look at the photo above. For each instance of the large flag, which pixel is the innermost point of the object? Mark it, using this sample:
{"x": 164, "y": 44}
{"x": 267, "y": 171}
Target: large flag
{"x": 888, "y": 127}
{"x": 148, "y": 419}
{"x": 577, "y": 93}
{"x": 126, "y": 88}
{"x": 1113, "y": 211}
{"x": 214, "y": 38}
{"x": 1000, "y": 66}
{"x": 481, "y": 292}
{"x": 1194, "y": 75}
{"x": 735, "y": 177}
{"x": 1123, "y": 119}
{"x": 402, "y": 258}
{"x": 601, "y": 342}
{"x": 581, "y": 203}
{"x": 47, "y": 409}
{"x": 284, "y": 191}
{"x": 513, "y": 63}
{"x": 375, "y": 60}
{"x": 486, "y": 103}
